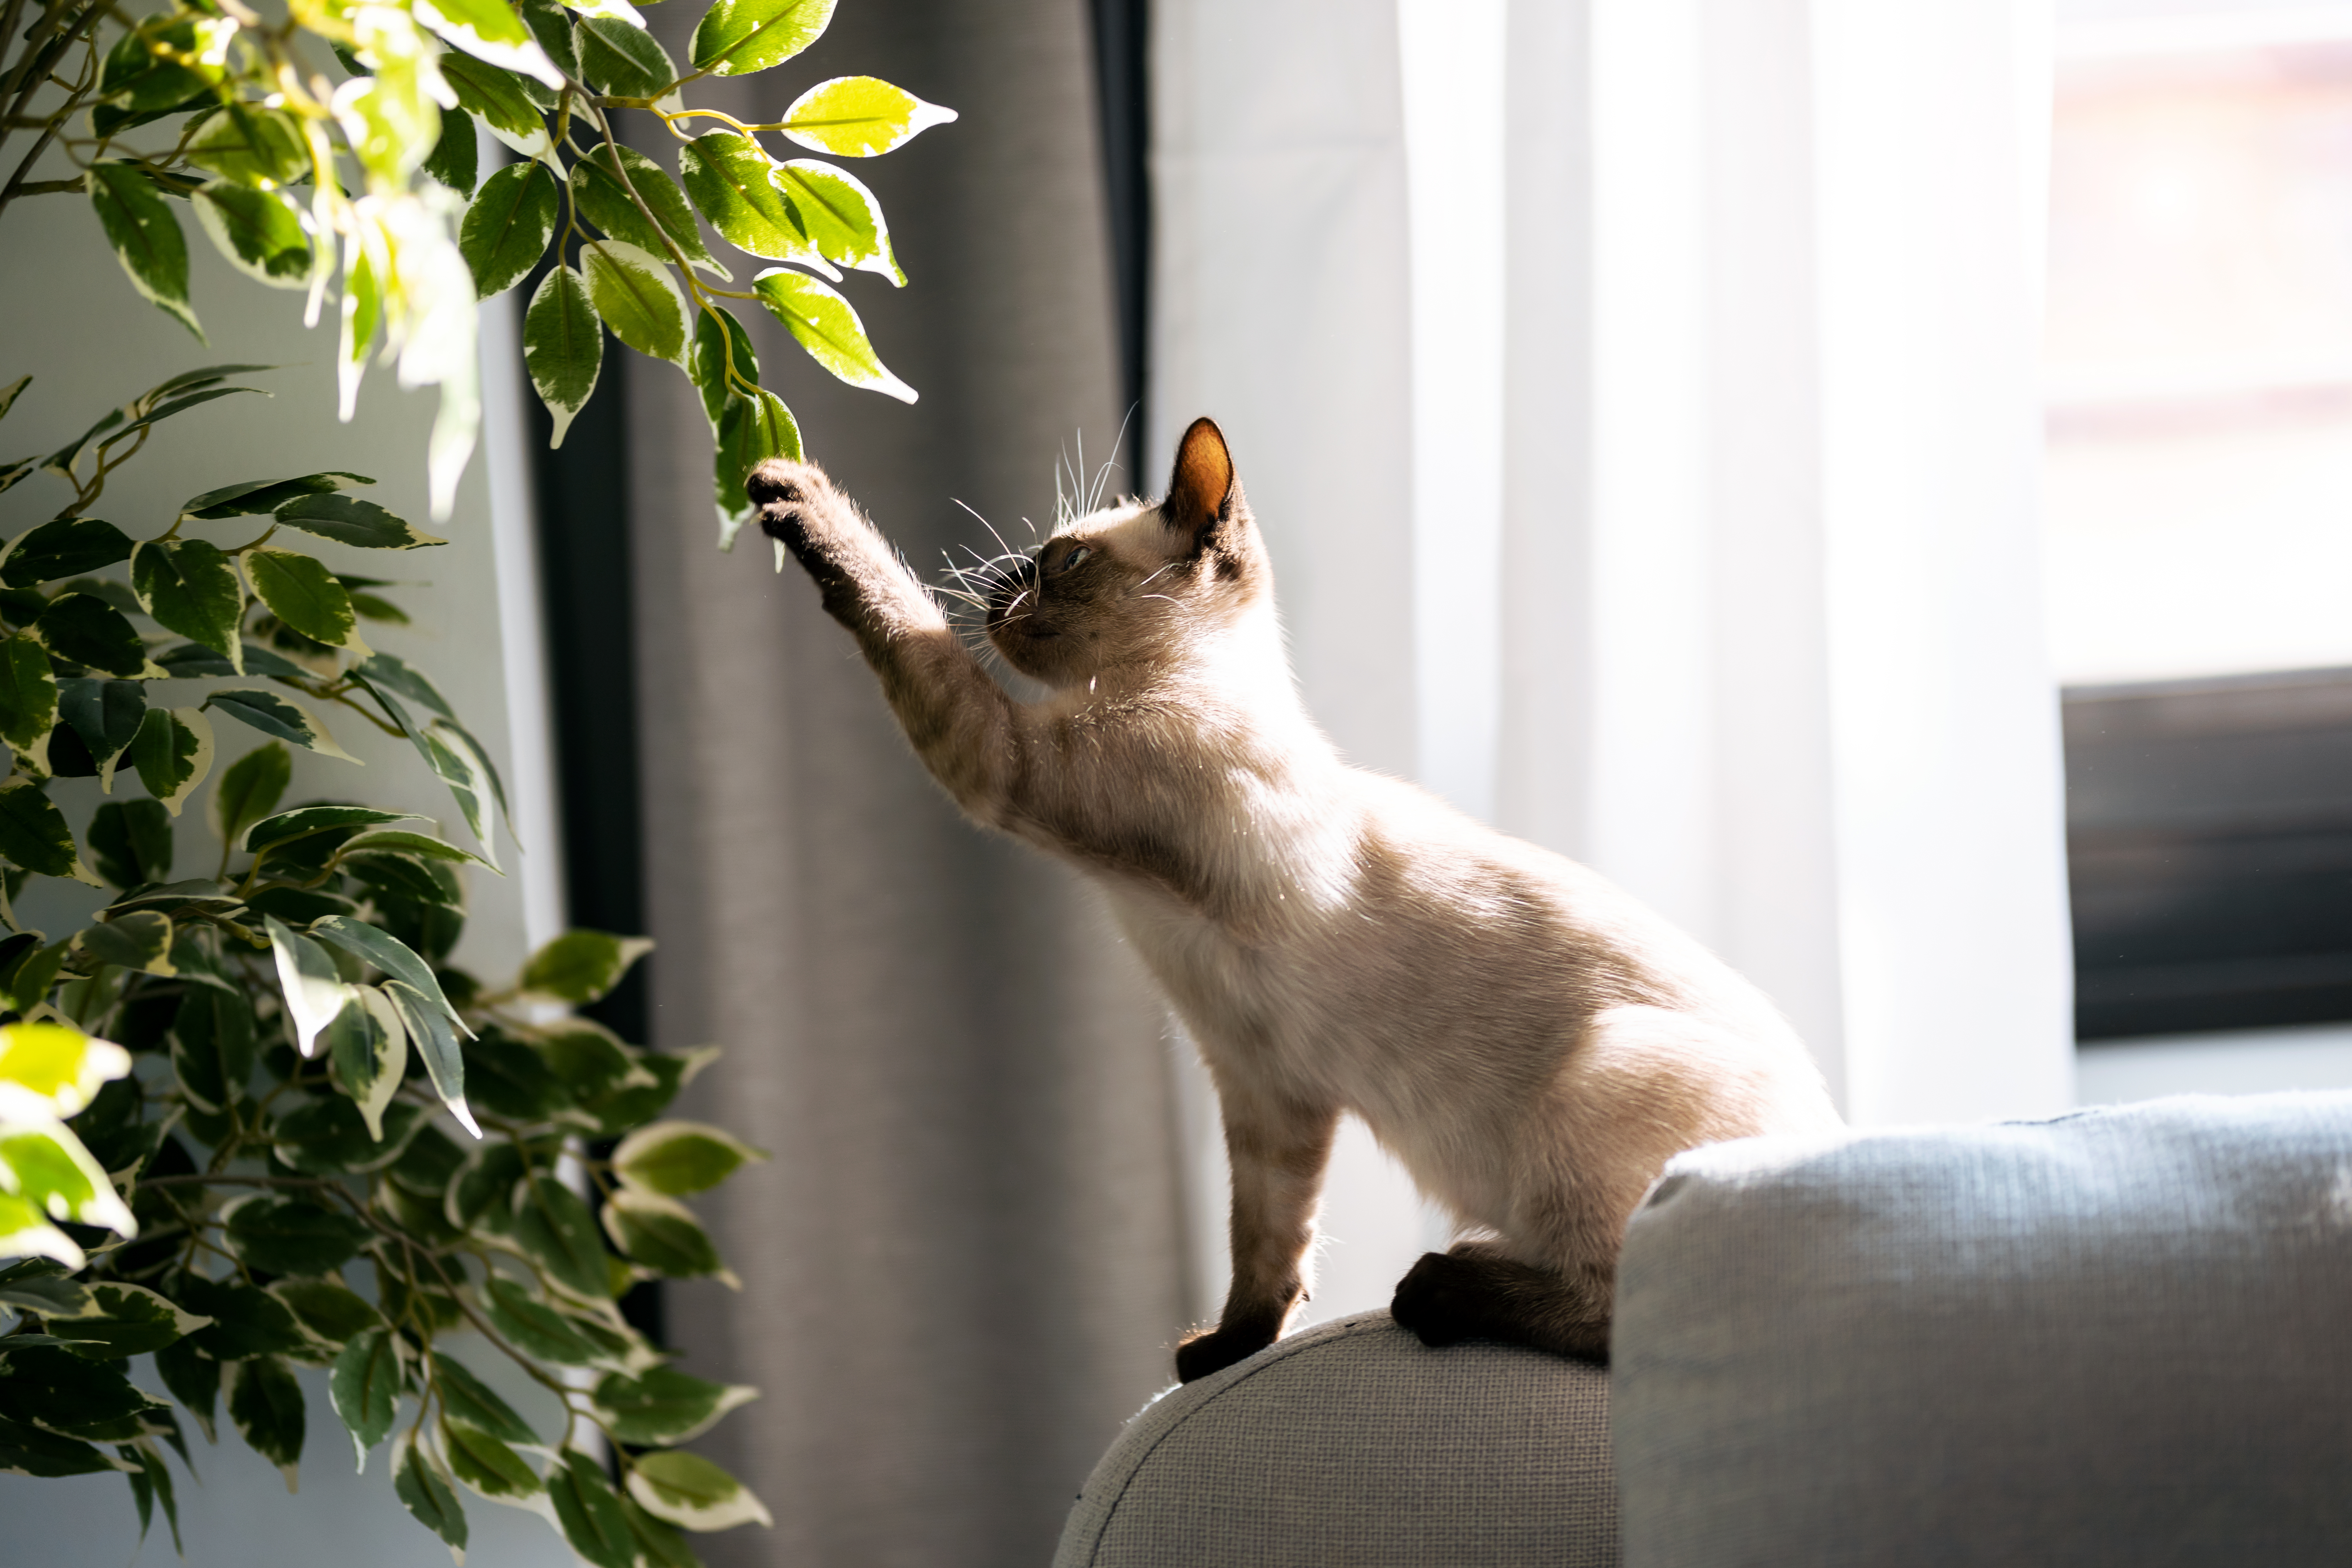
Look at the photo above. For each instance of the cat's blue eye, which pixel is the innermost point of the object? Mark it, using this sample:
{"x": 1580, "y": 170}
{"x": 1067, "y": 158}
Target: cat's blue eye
{"x": 1072, "y": 559}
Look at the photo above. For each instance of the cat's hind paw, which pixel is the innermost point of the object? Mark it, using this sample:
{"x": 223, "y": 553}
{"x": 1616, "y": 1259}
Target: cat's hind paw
{"x": 1214, "y": 1350}
{"x": 1444, "y": 1299}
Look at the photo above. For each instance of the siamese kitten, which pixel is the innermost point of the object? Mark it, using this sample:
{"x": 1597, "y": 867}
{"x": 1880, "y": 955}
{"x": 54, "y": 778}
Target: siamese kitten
{"x": 1531, "y": 1042}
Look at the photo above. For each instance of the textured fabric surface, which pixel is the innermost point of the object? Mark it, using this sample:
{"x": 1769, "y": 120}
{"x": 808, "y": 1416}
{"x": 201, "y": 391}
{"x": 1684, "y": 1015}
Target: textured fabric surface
{"x": 2123, "y": 1336}
{"x": 962, "y": 1267}
{"x": 1352, "y": 1443}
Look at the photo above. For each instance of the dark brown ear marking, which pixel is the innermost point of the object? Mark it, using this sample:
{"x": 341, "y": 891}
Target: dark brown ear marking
{"x": 1201, "y": 490}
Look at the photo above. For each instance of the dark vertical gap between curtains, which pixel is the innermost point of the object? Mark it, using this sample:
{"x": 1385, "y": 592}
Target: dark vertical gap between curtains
{"x": 1122, "y": 31}
{"x": 580, "y": 492}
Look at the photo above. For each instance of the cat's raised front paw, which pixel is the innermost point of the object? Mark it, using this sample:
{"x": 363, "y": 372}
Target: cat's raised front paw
{"x": 1443, "y": 1298}
{"x": 787, "y": 495}
{"x": 1215, "y": 1349}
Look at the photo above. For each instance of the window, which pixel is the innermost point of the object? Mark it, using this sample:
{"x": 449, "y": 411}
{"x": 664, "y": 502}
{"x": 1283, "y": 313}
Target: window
{"x": 2198, "y": 505}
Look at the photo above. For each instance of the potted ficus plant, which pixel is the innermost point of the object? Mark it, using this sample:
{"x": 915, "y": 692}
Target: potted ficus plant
{"x": 251, "y": 1115}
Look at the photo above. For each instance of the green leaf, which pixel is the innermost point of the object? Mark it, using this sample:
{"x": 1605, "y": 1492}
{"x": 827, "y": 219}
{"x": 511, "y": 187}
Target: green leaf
{"x": 329, "y": 1309}
{"x": 636, "y": 298}
{"x": 116, "y": 1320}
{"x": 750, "y": 431}
{"x": 603, "y": 200}
{"x": 145, "y": 235}
{"x": 485, "y": 1464}
{"x": 490, "y": 31}
{"x": 153, "y": 1476}
{"x": 829, "y": 329}
{"x": 305, "y": 821}
{"x": 212, "y": 1047}
{"x": 365, "y": 1388}
{"x": 87, "y": 630}
{"x": 736, "y": 37}
{"x": 194, "y": 1379}
{"x": 34, "y": 834}
{"x": 860, "y": 117}
{"x": 663, "y": 1236}
{"x": 665, "y": 1407}
{"x": 421, "y": 1489}
{"x": 266, "y": 1403}
{"x": 63, "y": 547}
{"x": 61, "y": 1068}
{"x": 255, "y": 497}
{"x": 840, "y": 216}
{"x": 562, "y": 346}
{"x": 505, "y": 108}
{"x": 411, "y": 844}
{"x": 581, "y": 966}
{"x": 551, "y": 24}
{"x": 24, "y": 1233}
{"x": 589, "y": 1513}
{"x": 292, "y": 1235}
{"x": 660, "y": 1545}
{"x": 28, "y": 695}
{"x": 301, "y": 591}
{"x": 508, "y": 226}
{"x": 107, "y": 715}
{"x": 717, "y": 335}
{"x": 391, "y": 671}
{"x": 259, "y": 232}
{"x": 367, "y": 1055}
{"x": 250, "y": 145}
{"x": 436, "y": 1040}
{"x": 508, "y": 1079}
{"x": 314, "y": 988}
{"x": 29, "y": 983}
{"x": 535, "y": 1328}
{"x": 348, "y": 519}
{"x": 131, "y": 842}
{"x": 456, "y": 155}
{"x": 467, "y": 1399}
{"x": 676, "y": 1158}
{"x": 365, "y": 942}
{"x": 49, "y": 1167}
{"x": 73, "y": 1396}
{"x": 247, "y": 1319}
{"x": 689, "y": 1490}
{"x": 619, "y": 57}
{"x": 329, "y": 1135}
{"x": 274, "y": 715}
{"x": 555, "y": 1228}
{"x": 188, "y": 586}
{"x": 249, "y": 790}
{"x": 10, "y": 393}
{"x": 29, "y": 1451}
{"x": 139, "y": 941}
{"x": 173, "y": 752}
{"x": 731, "y": 183}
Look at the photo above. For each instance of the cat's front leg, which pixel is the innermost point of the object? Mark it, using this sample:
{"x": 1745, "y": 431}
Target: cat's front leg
{"x": 959, "y": 720}
{"x": 1276, "y": 1152}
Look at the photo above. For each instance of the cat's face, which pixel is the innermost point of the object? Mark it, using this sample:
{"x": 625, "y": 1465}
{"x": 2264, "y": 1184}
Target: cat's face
{"x": 1137, "y": 586}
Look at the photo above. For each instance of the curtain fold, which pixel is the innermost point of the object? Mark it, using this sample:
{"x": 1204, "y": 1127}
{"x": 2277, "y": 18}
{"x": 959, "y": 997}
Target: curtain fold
{"x": 1774, "y": 652}
{"x": 962, "y": 1267}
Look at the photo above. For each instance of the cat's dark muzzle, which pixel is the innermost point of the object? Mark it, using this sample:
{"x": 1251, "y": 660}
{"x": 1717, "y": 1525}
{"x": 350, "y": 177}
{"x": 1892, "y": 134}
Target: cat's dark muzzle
{"x": 1013, "y": 596}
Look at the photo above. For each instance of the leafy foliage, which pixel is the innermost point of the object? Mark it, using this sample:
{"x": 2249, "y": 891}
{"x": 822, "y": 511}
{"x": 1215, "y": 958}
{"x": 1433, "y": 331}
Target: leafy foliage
{"x": 254, "y": 1120}
{"x": 366, "y": 180}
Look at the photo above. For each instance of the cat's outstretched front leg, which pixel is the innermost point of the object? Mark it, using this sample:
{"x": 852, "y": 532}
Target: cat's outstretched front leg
{"x": 1277, "y": 1154}
{"x": 960, "y": 722}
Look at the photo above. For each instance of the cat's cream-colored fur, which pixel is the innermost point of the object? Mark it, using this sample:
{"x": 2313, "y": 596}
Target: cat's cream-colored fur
{"x": 1528, "y": 1039}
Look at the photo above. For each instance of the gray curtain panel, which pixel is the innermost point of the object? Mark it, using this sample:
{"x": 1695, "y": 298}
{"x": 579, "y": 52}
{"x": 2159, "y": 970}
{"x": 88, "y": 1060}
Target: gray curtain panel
{"x": 962, "y": 1270}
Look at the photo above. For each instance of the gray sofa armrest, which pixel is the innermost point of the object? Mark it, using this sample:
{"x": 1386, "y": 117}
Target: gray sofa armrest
{"x": 2123, "y": 1336}
{"x": 1351, "y": 1443}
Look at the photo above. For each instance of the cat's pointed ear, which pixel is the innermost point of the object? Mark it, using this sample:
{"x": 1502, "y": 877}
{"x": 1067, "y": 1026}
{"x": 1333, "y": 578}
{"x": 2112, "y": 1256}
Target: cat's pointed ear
{"x": 1202, "y": 491}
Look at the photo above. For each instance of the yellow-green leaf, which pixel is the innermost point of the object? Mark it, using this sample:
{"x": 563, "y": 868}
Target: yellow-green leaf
{"x": 827, "y": 326}
{"x": 860, "y": 117}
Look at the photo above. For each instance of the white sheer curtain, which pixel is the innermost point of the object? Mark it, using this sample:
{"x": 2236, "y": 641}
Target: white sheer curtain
{"x": 1679, "y": 511}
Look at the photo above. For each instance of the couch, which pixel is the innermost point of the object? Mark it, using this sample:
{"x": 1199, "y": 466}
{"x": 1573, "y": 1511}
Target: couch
{"x": 2121, "y": 1336}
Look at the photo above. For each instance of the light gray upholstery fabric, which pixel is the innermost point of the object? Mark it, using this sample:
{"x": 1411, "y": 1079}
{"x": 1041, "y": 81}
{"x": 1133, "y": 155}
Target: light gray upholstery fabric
{"x": 2123, "y": 1336}
{"x": 1352, "y": 1443}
